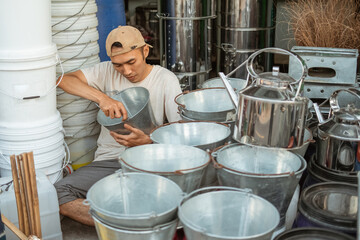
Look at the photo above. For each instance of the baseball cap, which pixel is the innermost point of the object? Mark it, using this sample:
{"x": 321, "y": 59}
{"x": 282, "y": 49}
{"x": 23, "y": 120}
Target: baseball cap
{"x": 129, "y": 37}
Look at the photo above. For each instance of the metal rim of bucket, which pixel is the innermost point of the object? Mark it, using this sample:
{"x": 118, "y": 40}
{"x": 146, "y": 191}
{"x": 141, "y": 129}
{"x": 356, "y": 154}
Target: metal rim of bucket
{"x": 260, "y": 175}
{"x": 194, "y": 121}
{"x": 151, "y": 215}
{"x": 177, "y": 172}
{"x": 222, "y": 188}
{"x": 133, "y": 115}
{"x": 138, "y": 229}
{"x": 182, "y": 107}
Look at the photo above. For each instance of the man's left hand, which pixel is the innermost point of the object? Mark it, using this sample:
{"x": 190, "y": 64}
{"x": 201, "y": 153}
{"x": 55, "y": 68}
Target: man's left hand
{"x": 135, "y": 138}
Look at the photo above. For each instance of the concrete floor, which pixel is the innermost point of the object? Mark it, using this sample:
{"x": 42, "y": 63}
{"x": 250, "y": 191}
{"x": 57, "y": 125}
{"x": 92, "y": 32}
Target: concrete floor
{"x": 72, "y": 230}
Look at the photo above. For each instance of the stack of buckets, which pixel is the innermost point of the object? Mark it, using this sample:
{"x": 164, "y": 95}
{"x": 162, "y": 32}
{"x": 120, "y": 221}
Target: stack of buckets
{"x": 74, "y": 32}
{"x": 29, "y": 120}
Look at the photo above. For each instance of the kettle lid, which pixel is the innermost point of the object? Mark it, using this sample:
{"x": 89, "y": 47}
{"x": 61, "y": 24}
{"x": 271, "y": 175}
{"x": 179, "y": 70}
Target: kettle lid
{"x": 274, "y": 79}
{"x": 344, "y": 125}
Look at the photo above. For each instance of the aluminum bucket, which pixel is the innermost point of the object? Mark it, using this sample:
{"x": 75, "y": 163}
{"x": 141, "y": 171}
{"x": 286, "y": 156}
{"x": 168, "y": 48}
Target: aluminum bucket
{"x": 140, "y": 115}
{"x": 210, "y": 104}
{"x": 185, "y": 165}
{"x": 270, "y": 173}
{"x": 313, "y": 233}
{"x": 236, "y": 83}
{"x": 162, "y": 232}
{"x": 219, "y": 213}
{"x": 134, "y": 200}
{"x": 203, "y": 135}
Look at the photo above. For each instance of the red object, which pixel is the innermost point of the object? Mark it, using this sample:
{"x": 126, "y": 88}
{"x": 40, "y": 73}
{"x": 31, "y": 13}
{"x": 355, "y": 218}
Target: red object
{"x": 179, "y": 235}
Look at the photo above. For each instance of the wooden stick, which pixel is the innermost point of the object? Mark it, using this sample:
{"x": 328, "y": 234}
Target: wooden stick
{"x": 22, "y": 194}
{"x": 35, "y": 197}
{"x": 17, "y": 192}
{"x": 13, "y": 228}
{"x": 29, "y": 194}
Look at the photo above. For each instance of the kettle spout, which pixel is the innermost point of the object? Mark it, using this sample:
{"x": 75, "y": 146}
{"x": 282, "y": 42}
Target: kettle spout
{"x": 318, "y": 113}
{"x": 229, "y": 89}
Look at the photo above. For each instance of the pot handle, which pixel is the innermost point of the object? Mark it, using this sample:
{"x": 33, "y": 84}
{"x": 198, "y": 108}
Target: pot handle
{"x": 250, "y": 62}
{"x": 333, "y": 101}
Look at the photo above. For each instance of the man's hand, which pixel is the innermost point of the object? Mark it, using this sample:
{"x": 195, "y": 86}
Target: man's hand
{"x": 112, "y": 108}
{"x": 135, "y": 138}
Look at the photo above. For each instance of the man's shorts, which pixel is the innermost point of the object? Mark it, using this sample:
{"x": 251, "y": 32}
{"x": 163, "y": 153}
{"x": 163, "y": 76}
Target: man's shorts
{"x": 77, "y": 184}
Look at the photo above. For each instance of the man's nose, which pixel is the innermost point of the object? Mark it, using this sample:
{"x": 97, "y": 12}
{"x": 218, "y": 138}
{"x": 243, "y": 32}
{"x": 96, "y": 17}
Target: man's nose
{"x": 126, "y": 70}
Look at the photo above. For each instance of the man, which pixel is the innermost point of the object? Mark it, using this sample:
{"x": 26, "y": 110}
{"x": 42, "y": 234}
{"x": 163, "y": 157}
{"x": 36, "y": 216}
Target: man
{"x": 128, "y": 68}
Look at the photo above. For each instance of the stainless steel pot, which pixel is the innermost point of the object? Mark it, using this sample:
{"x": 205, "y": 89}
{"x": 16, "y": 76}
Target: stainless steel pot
{"x": 236, "y": 83}
{"x": 269, "y": 112}
{"x": 338, "y": 140}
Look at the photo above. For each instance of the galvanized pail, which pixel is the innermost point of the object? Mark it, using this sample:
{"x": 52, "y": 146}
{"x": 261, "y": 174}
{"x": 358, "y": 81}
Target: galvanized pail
{"x": 222, "y": 213}
{"x": 270, "y": 173}
{"x": 185, "y": 165}
{"x": 136, "y": 100}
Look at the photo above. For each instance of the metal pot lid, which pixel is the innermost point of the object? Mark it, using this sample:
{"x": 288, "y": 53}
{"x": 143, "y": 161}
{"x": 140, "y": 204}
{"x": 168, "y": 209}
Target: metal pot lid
{"x": 274, "y": 79}
{"x": 334, "y": 203}
{"x": 343, "y": 125}
{"x": 270, "y": 93}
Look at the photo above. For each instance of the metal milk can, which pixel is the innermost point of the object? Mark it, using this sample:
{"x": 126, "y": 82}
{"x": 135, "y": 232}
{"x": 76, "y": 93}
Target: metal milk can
{"x": 269, "y": 111}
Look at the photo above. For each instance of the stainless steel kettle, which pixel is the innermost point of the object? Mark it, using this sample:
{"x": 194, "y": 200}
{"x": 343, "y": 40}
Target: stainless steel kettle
{"x": 270, "y": 112}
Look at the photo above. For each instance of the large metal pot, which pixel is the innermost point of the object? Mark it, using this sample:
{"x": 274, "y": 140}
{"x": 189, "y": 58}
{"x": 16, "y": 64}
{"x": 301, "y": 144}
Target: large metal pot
{"x": 270, "y": 173}
{"x": 312, "y": 233}
{"x": 269, "y": 112}
{"x": 224, "y": 213}
{"x": 185, "y": 165}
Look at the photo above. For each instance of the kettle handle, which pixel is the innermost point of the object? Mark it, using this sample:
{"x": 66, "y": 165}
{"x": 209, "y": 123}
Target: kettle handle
{"x": 333, "y": 101}
{"x": 250, "y": 64}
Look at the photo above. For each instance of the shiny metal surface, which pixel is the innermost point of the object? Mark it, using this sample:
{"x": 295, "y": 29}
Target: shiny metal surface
{"x": 185, "y": 165}
{"x": 345, "y": 98}
{"x": 309, "y": 233}
{"x": 308, "y": 138}
{"x": 337, "y": 141}
{"x": 187, "y": 35}
{"x": 218, "y": 213}
{"x": 203, "y": 135}
{"x": 163, "y": 232}
{"x": 270, "y": 173}
{"x": 270, "y": 113}
{"x": 243, "y": 26}
{"x": 211, "y": 104}
{"x": 134, "y": 200}
{"x": 331, "y": 204}
{"x": 140, "y": 115}
{"x": 237, "y": 83}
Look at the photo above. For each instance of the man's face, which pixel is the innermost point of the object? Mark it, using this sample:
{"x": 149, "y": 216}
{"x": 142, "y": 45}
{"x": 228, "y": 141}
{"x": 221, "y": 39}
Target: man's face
{"x": 132, "y": 64}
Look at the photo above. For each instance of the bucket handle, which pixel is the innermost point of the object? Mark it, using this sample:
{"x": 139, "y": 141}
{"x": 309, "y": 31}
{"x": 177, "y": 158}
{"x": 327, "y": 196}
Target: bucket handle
{"x": 46, "y": 93}
{"x": 72, "y": 15}
{"x": 177, "y": 172}
{"x": 65, "y": 163}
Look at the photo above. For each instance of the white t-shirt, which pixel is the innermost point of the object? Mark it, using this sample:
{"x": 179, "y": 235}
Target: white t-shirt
{"x": 162, "y": 84}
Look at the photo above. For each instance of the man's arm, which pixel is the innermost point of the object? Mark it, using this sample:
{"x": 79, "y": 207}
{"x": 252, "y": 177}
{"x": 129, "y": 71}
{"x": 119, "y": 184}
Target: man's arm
{"x": 75, "y": 83}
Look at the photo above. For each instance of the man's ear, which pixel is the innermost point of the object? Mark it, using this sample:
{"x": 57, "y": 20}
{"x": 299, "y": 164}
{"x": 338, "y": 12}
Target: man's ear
{"x": 146, "y": 51}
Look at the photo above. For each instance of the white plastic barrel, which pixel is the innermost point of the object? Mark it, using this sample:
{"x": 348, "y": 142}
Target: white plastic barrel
{"x": 76, "y": 37}
{"x": 24, "y": 25}
{"x": 79, "y": 131}
{"x": 76, "y": 106}
{"x": 27, "y": 86}
{"x": 70, "y": 8}
{"x": 82, "y": 118}
{"x": 78, "y": 63}
{"x": 74, "y": 23}
{"x": 78, "y": 50}
{"x": 82, "y": 150}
